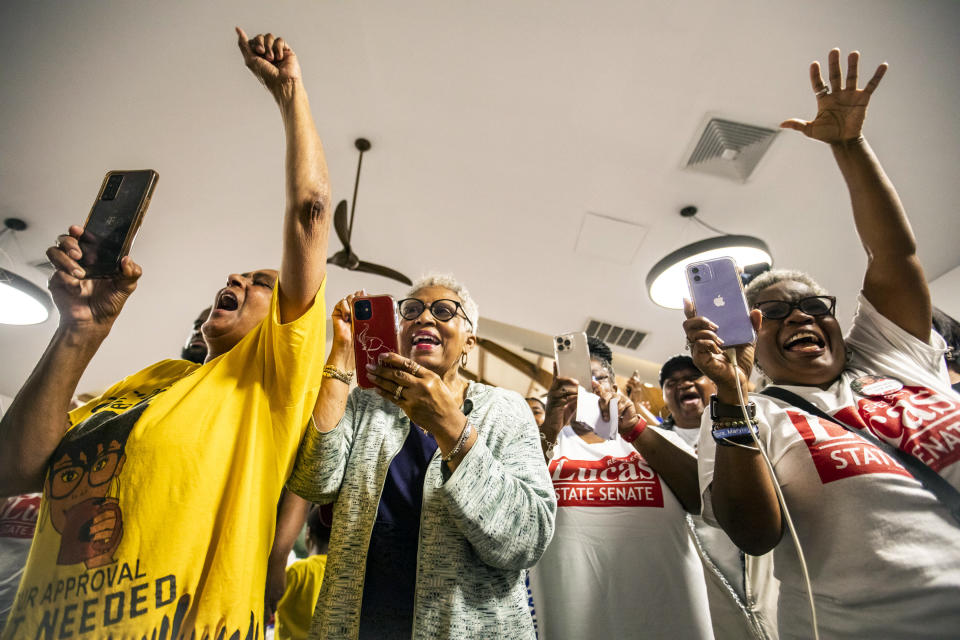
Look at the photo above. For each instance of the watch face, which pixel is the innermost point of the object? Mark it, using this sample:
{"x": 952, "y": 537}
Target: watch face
{"x": 722, "y": 410}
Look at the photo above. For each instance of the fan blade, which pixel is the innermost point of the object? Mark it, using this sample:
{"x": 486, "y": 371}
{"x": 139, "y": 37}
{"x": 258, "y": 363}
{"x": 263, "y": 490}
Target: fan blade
{"x": 340, "y": 258}
{"x": 386, "y": 272}
{"x": 341, "y": 225}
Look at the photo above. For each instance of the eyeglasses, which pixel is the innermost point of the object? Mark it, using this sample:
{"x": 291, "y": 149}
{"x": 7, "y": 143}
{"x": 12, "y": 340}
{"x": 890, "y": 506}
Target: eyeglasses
{"x": 812, "y": 306}
{"x": 64, "y": 479}
{"x": 443, "y": 310}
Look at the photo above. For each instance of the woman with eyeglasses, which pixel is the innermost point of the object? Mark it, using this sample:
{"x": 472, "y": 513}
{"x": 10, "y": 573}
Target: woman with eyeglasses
{"x": 441, "y": 498}
{"x": 881, "y": 545}
{"x": 621, "y": 563}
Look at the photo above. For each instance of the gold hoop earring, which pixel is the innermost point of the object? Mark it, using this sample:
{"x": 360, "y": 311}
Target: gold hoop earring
{"x": 463, "y": 359}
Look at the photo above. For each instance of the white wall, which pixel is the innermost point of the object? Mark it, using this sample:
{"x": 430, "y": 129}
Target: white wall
{"x": 945, "y": 292}
{"x": 4, "y": 403}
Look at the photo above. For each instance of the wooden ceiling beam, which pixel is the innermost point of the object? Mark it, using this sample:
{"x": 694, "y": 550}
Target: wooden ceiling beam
{"x": 521, "y": 364}
{"x": 470, "y": 375}
{"x": 533, "y": 383}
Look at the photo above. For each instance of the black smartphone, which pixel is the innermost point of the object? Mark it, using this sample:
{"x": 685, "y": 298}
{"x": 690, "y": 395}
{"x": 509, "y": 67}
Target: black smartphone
{"x": 114, "y": 220}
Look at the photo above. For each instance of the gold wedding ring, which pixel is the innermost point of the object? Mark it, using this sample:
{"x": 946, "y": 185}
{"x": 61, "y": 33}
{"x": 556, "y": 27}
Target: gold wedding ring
{"x": 396, "y": 394}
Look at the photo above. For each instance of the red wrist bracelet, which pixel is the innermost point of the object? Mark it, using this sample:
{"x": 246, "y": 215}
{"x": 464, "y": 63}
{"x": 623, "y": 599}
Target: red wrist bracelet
{"x": 636, "y": 431}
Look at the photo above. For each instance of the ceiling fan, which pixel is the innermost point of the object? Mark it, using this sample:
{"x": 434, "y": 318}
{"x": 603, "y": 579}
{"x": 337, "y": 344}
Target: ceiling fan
{"x": 346, "y": 258}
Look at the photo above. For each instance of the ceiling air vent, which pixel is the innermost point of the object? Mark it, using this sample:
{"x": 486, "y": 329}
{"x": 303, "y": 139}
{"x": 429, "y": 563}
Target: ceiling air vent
{"x": 614, "y": 335}
{"x": 730, "y": 149}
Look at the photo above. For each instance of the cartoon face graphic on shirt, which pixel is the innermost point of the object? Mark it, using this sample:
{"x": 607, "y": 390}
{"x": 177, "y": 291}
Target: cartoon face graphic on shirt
{"x": 83, "y": 470}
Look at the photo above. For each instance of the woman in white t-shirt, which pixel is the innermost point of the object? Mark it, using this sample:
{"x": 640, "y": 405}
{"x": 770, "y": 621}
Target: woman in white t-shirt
{"x": 621, "y": 563}
{"x": 883, "y": 552}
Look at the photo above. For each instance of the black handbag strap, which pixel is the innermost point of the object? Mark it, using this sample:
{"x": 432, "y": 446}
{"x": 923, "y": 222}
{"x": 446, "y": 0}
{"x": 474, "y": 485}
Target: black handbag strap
{"x": 930, "y": 479}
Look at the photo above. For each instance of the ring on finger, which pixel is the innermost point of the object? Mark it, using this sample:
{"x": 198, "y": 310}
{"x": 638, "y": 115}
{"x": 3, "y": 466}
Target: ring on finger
{"x": 416, "y": 369}
{"x": 398, "y": 392}
{"x": 822, "y": 91}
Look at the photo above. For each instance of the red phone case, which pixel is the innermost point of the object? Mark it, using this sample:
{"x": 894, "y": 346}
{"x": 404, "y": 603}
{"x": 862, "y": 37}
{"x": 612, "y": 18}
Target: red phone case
{"x": 374, "y": 335}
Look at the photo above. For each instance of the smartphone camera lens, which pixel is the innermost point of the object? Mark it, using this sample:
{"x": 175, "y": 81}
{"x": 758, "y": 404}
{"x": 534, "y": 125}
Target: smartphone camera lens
{"x": 696, "y": 269}
{"x": 696, "y": 278}
{"x": 566, "y": 343}
{"x": 559, "y": 340}
{"x": 362, "y": 310}
{"x": 113, "y": 186}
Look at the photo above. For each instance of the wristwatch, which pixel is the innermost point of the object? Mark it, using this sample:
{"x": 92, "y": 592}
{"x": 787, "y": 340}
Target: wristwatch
{"x": 723, "y": 410}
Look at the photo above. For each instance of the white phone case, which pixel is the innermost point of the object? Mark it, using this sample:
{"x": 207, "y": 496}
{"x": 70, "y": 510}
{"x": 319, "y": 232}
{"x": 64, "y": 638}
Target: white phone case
{"x": 573, "y": 358}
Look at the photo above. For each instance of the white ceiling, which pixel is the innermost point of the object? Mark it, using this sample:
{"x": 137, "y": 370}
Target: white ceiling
{"x": 496, "y": 127}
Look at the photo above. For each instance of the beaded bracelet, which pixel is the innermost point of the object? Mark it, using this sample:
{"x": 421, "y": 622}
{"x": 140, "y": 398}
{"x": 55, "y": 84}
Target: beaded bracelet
{"x": 720, "y": 424}
{"x": 336, "y": 374}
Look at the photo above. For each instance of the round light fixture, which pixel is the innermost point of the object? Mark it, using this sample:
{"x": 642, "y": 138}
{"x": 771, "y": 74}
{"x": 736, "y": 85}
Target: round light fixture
{"x": 21, "y": 301}
{"x": 667, "y": 282}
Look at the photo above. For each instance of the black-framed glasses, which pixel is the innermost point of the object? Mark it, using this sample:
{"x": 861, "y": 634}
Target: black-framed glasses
{"x": 443, "y": 310}
{"x": 811, "y": 305}
{"x": 65, "y": 478}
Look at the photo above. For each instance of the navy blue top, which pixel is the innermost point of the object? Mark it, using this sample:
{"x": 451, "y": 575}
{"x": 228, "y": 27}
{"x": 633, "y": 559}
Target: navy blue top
{"x": 390, "y": 582}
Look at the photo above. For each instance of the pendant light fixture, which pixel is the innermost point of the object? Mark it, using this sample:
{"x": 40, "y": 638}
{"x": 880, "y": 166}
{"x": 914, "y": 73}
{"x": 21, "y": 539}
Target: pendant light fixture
{"x": 21, "y": 301}
{"x": 667, "y": 282}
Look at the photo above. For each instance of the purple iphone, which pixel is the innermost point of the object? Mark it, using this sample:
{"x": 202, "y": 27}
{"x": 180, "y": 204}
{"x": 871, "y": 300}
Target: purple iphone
{"x": 717, "y": 293}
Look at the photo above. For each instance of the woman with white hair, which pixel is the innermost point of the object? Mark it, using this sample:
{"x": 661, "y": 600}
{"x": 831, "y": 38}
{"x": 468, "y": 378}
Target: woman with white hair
{"x": 861, "y": 429}
{"x": 441, "y": 498}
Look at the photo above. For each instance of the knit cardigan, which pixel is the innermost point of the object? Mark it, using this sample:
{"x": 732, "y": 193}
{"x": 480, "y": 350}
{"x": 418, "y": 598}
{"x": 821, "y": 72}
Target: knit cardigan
{"x": 481, "y": 526}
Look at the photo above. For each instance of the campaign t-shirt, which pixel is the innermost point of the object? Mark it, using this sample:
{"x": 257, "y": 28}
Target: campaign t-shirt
{"x": 159, "y": 506}
{"x": 883, "y": 553}
{"x": 743, "y": 585}
{"x": 621, "y": 563}
{"x": 295, "y": 609}
{"x": 18, "y": 519}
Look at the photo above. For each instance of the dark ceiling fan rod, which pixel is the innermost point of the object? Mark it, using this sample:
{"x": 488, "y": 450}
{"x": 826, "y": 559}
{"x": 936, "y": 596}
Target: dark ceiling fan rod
{"x": 363, "y": 145}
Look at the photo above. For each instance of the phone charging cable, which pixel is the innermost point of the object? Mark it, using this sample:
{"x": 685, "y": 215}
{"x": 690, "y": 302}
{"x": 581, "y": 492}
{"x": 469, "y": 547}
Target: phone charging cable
{"x": 731, "y": 355}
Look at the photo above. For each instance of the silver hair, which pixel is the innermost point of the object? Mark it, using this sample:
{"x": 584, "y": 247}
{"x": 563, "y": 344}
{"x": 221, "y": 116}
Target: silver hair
{"x": 447, "y": 281}
{"x": 774, "y": 276}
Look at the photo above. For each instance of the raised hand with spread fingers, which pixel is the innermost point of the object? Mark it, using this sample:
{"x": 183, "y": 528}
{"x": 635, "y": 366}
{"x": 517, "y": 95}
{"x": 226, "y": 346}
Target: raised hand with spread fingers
{"x": 841, "y": 110}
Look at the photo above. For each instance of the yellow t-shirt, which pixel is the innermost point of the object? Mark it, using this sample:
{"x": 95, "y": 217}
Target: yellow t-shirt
{"x": 159, "y": 506}
{"x": 295, "y": 609}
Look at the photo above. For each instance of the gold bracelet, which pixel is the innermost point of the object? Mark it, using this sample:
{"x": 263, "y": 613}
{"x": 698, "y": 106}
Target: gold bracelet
{"x": 462, "y": 440}
{"x": 336, "y": 374}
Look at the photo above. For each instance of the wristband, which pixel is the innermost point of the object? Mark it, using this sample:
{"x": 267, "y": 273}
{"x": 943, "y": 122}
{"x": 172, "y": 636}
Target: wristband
{"x": 723, "y": 410}
{"x": 636, "y": 431}
{"x": 733, "y": 436}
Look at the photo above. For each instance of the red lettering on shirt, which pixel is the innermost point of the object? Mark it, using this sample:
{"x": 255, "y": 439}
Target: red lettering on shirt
{"x": 839, "y": 454}
{"x": 916, "y": 420}
{"x": 18, "y": 516}
{"x": 608, "y": 482}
